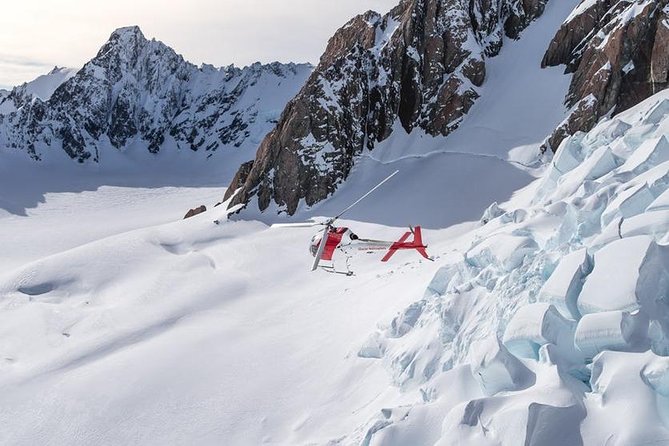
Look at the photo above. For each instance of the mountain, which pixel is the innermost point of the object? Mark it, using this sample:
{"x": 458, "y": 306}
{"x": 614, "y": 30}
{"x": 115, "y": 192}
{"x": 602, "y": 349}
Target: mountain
{"x": 419, "y": 67}
{"x": 541, "y": 319}
{"x": 423, "y": 66}
{"x": 41, "y": 88}
{"x": 618, "y": 52}
{"x": 139, "y": 93}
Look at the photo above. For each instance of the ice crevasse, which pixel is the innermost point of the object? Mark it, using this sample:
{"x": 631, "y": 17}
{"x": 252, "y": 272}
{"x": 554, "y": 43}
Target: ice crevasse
{"x": 551, "y": 325}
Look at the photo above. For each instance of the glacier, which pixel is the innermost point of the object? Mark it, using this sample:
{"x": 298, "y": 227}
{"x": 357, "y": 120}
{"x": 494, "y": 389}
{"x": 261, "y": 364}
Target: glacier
{"x": 575, "y": 292}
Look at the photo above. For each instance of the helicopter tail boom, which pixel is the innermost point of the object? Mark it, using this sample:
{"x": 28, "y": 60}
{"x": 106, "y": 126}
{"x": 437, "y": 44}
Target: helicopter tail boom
{"x": 402, "y": 243}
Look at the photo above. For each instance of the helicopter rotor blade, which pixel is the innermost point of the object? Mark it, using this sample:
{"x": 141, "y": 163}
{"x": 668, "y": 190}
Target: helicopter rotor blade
{"x": 332, "y": 220}
{"x": 306, "y": 224}
{"x": 321, "y": 248}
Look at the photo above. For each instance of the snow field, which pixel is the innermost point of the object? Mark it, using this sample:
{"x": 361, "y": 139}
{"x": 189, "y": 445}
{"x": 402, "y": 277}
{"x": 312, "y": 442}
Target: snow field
{"x": 186, "y": 331}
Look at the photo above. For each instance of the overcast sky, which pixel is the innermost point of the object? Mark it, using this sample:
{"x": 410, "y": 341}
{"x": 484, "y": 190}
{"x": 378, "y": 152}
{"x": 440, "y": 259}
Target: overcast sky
{"x": 35, "y": 35}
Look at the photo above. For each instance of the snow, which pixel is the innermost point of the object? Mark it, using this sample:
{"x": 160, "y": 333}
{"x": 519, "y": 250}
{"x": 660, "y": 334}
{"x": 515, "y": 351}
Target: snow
{"x": 44, "y": 86}
{"x": 580, "y": 9}
{"x": 520, "y": 103}
{"x": 165, "y": 324}
{"x": 661, "y": 203}
{"x": 617, "y": 388}
{"x": 565, "y": 283}
{"x": 610, "y": 330}
{"x": 496, "y": 369}
{"x": 628, "y": 203}
{"x": 502, "y": 250}
{"x": 651, "y": 153}
{"x": 625, "y": 276}
{"x": 533, "y": 326}
{"x": 585, "y": 241}
{"x": 544, "y": 323}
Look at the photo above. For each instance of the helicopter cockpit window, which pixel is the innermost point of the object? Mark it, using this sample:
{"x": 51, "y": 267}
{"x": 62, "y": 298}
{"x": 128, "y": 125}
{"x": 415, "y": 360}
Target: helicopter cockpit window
{"x": 313, "y": 246}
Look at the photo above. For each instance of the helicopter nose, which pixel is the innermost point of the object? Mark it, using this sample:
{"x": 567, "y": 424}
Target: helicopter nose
{"x": 313, "y": 246}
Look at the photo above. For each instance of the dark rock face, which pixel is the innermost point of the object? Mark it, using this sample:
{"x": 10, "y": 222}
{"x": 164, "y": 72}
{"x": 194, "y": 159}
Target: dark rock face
{"x": 419, "y": 67}
{"x": 239, "y": 179}
{"x": 618, "y": 51}
{"x": 139, "y": 91}
{"x": 195, "y": 211}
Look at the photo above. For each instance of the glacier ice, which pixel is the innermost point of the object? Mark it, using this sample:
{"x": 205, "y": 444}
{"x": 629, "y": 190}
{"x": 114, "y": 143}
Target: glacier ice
{"x": 628, "y": 203}
{"x": 535, "y": 325}
{"x": 496, "y": 369}
{"x": 649, "y": 154}
{"x": 611, "y": 330}
{"x": 656, "y": 375}
{"x": 559, "y": 304}
{"x": 565, "y": 283}
{"x": 629, "y": 274}
{"x": 503, "y": 250}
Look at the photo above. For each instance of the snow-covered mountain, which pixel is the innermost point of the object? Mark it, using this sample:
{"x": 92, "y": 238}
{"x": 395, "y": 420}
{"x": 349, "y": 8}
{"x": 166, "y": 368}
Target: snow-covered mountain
{"x": 41, "y": 88}
{"x": 419, "y": 67}
{"x": 424, "y": 65}
{"x": 139, "y": 94}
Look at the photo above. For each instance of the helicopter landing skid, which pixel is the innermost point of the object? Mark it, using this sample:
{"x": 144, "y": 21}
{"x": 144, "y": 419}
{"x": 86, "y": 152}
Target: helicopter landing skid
{"x": 332, "y": 270}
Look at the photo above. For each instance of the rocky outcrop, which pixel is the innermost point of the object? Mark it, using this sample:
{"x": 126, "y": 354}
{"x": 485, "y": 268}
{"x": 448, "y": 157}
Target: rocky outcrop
{"x": 195, "y": 211}
{"x": 418, "y": 67}
{"x": 618, "y": 51}
{"x": 140, "y": 92}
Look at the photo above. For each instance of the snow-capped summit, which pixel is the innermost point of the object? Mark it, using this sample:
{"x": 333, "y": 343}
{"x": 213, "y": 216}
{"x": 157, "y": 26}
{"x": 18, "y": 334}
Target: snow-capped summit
{"x": 40, "y": 88}
{"x": 140, "y": 93}
{"x": 44, "y": 86}
{"x": 128, "y": 32}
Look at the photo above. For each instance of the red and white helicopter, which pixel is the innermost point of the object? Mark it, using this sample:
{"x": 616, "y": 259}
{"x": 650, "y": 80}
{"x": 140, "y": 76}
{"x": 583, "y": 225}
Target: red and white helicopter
{"x": 332, "y": 238}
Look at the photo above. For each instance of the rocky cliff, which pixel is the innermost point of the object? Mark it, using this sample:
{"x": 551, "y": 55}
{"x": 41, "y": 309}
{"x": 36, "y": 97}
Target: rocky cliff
{"x": 618, "y": 51}
{"x": 139, "y": 92}
{"x": 418, "y": 67}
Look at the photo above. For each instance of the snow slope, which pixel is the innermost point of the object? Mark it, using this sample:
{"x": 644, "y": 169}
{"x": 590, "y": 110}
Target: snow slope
{"x": 44, "y": 86}
{"x": 520, "y": 102}
{"x": 114, "y": 340}
{"x": 40, "y": 88}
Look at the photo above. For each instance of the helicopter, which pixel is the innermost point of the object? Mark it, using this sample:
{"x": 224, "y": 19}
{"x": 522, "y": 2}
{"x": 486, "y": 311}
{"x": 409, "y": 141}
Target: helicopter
{"x": 331, "y": 238}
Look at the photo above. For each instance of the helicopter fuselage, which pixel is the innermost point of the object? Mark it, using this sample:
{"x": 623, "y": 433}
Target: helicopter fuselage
{"x": 339, "y": 237}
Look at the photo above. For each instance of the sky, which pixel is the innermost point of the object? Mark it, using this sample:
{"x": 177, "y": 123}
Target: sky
{"x": 36, "y": 35}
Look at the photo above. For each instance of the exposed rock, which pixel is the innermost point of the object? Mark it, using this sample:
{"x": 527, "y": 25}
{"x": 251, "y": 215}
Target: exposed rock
{"x": 419, "y": 66}
{"x": 140, "y": 92}
{"x": 618, "y": 51}
{"x": 195, "y": 211}
{"x": 239, "y": 179}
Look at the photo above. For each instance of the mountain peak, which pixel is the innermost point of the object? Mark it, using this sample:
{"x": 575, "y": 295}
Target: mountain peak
{"x": 129, "y": 38}
{"x": 56, "y": 69}
{"x": 137, "y": 90}
{"x": 128, "y": 31}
